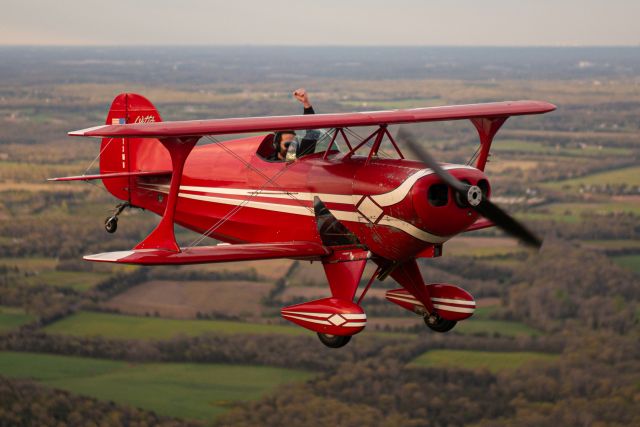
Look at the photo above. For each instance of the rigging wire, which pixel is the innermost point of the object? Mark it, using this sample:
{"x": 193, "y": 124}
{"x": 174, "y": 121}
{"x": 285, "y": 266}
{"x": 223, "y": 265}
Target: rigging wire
{"x": 369, "y": 144}
{"x": 91, "y": 165}
{"x": 475, "y": 155}
{"x": 237, "y": 208}
{"x": 259, "y": 172}
{"x": 98, "y": 156}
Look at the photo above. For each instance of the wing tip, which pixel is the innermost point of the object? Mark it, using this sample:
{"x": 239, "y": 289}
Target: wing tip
{"x": 108, "y": 256}
{"x": 85, "y": 132}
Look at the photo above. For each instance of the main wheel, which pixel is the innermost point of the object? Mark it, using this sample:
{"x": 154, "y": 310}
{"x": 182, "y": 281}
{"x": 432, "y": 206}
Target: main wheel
{"x": 438, "y": 324}
{"x": 334, "y": 341}
{"x": 111, "y": 224}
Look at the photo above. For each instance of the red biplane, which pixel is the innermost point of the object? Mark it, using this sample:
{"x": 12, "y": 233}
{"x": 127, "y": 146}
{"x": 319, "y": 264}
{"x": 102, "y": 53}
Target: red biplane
{"x": 338, "y": 199}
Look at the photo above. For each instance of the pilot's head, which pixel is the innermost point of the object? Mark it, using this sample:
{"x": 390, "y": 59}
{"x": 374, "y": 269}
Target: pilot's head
{"x": 286, "y": 137}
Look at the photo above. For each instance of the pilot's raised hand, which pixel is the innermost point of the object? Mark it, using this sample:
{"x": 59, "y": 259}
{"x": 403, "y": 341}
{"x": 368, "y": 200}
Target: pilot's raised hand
{"x": 301, "y": 95}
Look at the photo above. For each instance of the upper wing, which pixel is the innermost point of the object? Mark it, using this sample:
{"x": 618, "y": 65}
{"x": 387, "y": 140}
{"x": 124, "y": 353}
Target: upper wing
{"x": 211, "y": 254}
{"x": 269, "y": 124}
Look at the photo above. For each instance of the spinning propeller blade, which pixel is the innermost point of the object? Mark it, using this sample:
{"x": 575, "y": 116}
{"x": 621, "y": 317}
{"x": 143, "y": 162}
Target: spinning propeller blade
{"x": 472, "y": 196}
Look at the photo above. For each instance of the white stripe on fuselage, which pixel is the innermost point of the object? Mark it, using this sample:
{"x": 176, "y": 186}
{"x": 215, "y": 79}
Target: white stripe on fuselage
{"x": 308, "y": 211}
{"x": 399, "y": 193}
{"x": 385, "y": 199}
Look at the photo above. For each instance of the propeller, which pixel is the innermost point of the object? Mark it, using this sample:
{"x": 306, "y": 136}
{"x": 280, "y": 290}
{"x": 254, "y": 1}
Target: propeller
{"x": 472, "y": 195}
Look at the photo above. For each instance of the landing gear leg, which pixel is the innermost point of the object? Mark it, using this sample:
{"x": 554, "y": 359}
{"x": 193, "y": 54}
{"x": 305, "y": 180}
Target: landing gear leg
{"x": 334, "y": 341}
{"x": 438, "y": 324}
{"x": 111, "y": 223}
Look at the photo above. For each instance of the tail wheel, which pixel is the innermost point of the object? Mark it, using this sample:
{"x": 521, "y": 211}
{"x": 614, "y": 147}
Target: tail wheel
{"x": 111, "y": 224}
{"x": 438, "y": 324}
{"x": 334, "y": 341}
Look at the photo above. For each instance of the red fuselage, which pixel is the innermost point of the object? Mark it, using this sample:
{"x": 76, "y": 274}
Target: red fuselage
{"x": 237, "y": 196}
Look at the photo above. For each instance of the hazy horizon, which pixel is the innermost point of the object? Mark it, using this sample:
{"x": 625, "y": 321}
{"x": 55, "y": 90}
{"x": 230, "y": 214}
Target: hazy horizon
{"x": 331, "y": 23}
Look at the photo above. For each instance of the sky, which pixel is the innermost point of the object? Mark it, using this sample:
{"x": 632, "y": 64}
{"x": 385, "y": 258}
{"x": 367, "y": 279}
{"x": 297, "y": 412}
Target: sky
{"x": 321, "y": 22}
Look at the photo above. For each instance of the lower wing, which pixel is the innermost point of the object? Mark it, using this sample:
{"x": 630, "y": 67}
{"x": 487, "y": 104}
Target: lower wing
{"x": 213, "y": 254}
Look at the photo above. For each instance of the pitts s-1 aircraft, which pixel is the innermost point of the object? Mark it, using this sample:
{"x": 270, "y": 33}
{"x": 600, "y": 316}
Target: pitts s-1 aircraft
{"x": 336, "y": 198}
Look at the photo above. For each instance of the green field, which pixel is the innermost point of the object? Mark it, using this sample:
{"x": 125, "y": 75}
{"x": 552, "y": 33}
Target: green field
{"x": 33, "y": 264}
{"x": 41, "y": 271}
{"x": 474, "y": 326}
{"x": 11, "y": 318}
{"x": 78, "y": 280}
{"x": 471, "y": 359}
{"x": 481, "y": 323}
{"x": 613, "y": 244}
{"x": 521, "y": 146}
{"x": 631, "y": 262}
{"x": 184, "y": 390}
{"x": 482, "y": 247}
{"x": 89, "y": 324}
{"x": 573, "y": 212}
{"x": 629, "y": 176}
{"x": 138, "y": 327}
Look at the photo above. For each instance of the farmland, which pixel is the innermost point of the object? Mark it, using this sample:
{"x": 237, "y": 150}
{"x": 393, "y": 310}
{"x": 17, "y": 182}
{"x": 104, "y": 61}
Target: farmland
{"x": 187, "y": 299}
{"x": 206, "y": 342}
{"x": 631, "y": 262}
{"x": 628, "y": 176}
{"x": 499, "y": 327}
{"x": 139, "y": 327}
{"x": 200, "y": 391}
{"x": 11, "y": 318}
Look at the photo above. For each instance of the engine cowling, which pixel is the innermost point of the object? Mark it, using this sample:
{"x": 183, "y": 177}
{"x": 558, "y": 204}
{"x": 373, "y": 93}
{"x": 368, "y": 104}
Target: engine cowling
{"x": 450, "y": 301}
{"x": 332, "y": 316}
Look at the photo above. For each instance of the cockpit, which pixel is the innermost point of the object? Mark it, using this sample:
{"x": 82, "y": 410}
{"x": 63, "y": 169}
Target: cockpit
{"x": 304, "y": 143}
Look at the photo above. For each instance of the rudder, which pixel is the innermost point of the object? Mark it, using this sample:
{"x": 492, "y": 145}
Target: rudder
{"x": 131, "y": 154}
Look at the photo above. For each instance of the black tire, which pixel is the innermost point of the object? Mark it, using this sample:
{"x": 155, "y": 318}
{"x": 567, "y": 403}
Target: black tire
{"x": 440, "y": 324}
{"x": 334, "y": 341}
{"x": 111, "y": 224}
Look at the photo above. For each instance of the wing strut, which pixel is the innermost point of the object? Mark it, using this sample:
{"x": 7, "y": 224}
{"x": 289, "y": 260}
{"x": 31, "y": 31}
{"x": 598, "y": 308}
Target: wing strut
{"x": 408, "y": 275}
{"x": 487, "y": 129}
{"x": 163, "y": 236}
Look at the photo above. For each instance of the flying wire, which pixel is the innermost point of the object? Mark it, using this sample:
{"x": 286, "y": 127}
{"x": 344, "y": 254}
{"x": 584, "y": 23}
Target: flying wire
{"x": 268, "y": 180}
{"x": 474, "y": 156}
{"x": 98, "y": 156}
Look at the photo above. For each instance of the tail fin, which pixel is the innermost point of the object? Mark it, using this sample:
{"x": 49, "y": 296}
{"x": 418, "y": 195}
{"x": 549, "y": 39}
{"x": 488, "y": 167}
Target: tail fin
{"x": 118, "y": 155}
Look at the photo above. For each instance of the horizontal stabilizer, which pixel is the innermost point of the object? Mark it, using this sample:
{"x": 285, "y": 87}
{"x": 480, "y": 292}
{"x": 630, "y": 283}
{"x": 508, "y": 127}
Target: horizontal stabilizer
{"x": 111, "y": 175}
{"x": 213, "y": 254}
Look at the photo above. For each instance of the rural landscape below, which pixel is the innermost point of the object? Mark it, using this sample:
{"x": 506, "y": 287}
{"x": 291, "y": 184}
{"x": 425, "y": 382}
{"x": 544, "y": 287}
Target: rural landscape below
{"x": 554, "y": 340}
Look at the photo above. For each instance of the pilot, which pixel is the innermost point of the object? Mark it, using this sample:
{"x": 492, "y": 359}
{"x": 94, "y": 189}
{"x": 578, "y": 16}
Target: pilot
{"x": 283, "y": 139}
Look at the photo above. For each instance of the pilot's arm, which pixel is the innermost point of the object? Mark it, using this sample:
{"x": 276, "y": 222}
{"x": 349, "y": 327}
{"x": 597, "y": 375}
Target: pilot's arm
{"x": 302, "y": 96}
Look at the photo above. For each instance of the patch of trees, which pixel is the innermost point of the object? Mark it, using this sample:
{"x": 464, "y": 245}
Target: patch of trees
{"x": 597, "y": 372}
{"x": 26, "y": 404}
{"x": 47, "y": 302}
{"x": 565, "y": 286}
{"x": 119, "y": 283}
{"x": 468, "y": 267}
{"x": 273, "y": 298}
{"x": 178, "y": 274}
